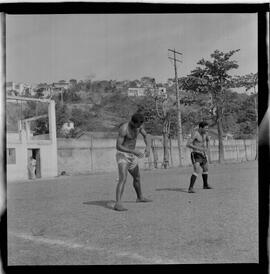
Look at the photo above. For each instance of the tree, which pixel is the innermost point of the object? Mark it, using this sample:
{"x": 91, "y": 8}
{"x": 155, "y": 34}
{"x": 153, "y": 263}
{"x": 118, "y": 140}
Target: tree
{"x": 41, "y": 126}
{"x": 79, "y": 117}
{"x": 159, "y": 110}
{"x": 61, "y": 117}
{"x": 39, "y": 93}
{"x": 70, "y": 95}
{"x": 249, "y": 81}
{"x": 213, "y": 78}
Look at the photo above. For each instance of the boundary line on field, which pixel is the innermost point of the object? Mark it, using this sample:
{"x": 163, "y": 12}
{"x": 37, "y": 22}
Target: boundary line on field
{"x": 74, "y": 245}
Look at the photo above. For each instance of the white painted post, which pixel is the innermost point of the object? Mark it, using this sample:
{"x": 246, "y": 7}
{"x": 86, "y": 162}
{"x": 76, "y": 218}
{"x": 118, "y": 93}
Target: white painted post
{"x": 91, "y": 154}
{"x": 27, "y": 130}
{"x": 245, "y": 146}
{"x": 52, "y": 128}
{"x": 237, "y": 152}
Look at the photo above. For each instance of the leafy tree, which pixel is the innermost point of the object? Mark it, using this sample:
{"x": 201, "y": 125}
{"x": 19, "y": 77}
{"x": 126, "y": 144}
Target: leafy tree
{"x": 79, "y": 117}
{"x": 61, "y": 117}
{"x": 27, "y": 92}
{"x": 70, "y": 95}
{"x": 213, "y": 78}
{"x": 41, "y": 126}
{"x": 39, "y": 93}
{"x": 249, "y": 82}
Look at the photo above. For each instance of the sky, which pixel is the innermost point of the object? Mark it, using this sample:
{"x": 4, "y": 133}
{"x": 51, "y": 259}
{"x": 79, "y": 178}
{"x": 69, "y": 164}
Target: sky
{"x": 49, "y": 48}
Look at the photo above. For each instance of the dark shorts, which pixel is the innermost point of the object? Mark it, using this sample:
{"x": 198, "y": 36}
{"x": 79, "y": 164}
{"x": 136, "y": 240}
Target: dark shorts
{"x": 199, "y": 158}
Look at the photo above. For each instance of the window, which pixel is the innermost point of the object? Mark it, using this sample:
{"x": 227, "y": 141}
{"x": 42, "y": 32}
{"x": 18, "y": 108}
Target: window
{"x": 11, "y": 156}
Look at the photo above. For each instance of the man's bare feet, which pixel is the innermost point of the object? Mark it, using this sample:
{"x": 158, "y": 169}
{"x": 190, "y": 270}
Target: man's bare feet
{"x": 191, "y": 190}
{"x": 119, "y": 207}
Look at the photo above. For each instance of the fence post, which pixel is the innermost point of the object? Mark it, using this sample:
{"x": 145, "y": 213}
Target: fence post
{"x": 171, "y": 151}
{"x": 245, "y": 150}
{"x": 237, "y": 153}
{"x": 209, "y": 152}
{"x": 91, "y": 152}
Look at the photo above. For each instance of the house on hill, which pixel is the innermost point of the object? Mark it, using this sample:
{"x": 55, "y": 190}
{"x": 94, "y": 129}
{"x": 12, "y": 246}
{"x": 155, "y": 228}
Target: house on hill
{"x": 13, "y": 88}
{"x": 46, "y": 90}
{"x": 61, "y": 85}
{"x": 136, "y": 92}
{"x": 147, "y": 82}
{"x": 72, "y": 82}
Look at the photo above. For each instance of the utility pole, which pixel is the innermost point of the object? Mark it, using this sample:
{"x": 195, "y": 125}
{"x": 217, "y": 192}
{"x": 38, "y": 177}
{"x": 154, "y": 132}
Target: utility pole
{"x": 179, "y": 124}
{"x": 62, "y": 99}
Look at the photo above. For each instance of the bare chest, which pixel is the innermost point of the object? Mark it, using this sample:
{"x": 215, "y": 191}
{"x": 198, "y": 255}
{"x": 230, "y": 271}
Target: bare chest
{"x": 131, "y": 134}
{"x": 199, "y": 139}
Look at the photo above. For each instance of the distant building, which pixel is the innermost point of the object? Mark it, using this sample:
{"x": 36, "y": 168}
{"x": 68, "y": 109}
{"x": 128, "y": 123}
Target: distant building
{"x": 72, "y": 82}
{"x": 161, "y": 91}
{"x": 61, "y": 85}
{"x": 47, "y": 90}
{"x": 138, "y": 83}
{"x": 20, "y": 88}
{"x": 15, "y": 88}
{"x": 147, "y": 82}
{"x": 136, "y": 92}
{"x": 10, "y": 86}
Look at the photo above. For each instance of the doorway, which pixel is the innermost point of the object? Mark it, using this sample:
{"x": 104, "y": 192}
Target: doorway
{"x": 35, "y": 154}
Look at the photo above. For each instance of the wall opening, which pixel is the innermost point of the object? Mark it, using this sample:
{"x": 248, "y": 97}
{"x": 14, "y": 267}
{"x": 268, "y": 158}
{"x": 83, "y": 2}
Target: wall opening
{"x": 11, "y": 156}
{"x": 34, "y": 163}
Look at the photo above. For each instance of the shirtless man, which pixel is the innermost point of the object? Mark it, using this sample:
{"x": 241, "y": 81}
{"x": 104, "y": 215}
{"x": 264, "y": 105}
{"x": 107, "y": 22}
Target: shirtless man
{"x": 199, "y": 145}
{"x": 127, "y": 157}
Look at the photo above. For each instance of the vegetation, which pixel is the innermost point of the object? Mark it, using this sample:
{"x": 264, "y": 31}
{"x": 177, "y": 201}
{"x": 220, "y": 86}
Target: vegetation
{"x": 213, "y": 78}
{"x": 207, "y": 94}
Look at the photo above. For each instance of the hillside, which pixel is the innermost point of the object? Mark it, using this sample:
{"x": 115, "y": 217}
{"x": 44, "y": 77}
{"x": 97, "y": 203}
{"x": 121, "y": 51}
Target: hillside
{"x": 104, "y": 111}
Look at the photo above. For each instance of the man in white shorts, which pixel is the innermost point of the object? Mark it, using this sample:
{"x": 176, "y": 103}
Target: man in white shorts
{"x": 127, "y": 157}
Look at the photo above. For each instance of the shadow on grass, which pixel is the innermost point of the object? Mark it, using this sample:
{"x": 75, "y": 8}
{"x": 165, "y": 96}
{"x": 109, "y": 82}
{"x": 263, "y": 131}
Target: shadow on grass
{"x": 172, "y": 189}
{"x": 104, "y": 203}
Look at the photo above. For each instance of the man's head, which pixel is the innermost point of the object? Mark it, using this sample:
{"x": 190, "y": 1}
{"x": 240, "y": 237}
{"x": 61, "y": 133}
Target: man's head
{"x": 137, "y": 120}
{"x": 203, "y": 127}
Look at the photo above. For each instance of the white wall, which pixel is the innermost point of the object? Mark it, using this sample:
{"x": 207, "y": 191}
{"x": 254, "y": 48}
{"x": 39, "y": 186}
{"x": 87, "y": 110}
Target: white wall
{"x": 48, "y": 151}
{"x": 19, "y": 171}
{"x": 95, "y": 155}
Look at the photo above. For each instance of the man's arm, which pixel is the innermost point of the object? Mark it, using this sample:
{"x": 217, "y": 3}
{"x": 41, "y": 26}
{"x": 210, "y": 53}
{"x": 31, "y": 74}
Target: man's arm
{"x": 147, "y": 140}
{"x": 190, "y": 144}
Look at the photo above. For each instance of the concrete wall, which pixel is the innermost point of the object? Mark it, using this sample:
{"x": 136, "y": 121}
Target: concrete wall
{"x": 19, "y": 170}
{"x": 22, "y": 141}
{"x": 95, "y": 155}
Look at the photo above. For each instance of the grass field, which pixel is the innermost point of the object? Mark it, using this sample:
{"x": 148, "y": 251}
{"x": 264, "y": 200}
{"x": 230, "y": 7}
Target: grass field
{"x": 70, "y": 221}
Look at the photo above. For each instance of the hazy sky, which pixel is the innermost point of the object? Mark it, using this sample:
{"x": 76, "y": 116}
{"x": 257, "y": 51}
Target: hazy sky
{"x": 47, "y": 48}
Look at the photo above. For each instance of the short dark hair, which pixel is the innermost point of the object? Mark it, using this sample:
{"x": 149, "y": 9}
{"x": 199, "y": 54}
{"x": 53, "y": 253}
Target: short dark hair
{"x": 137, "y": 118}
{"x": 203, "y": 124}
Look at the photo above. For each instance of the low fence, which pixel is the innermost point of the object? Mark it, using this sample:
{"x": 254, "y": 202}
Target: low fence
{"x": 98, "y": 155}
